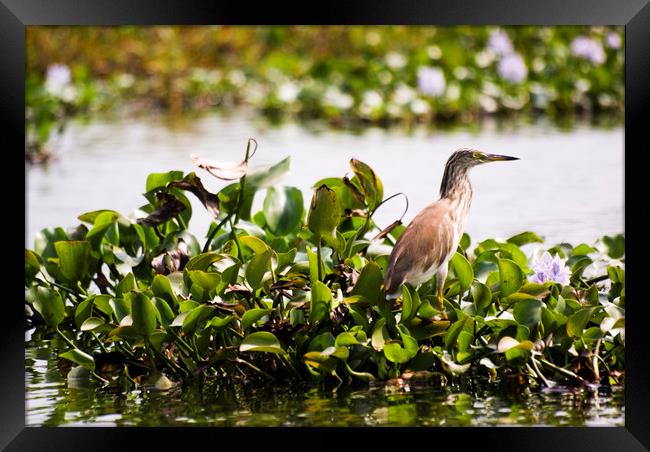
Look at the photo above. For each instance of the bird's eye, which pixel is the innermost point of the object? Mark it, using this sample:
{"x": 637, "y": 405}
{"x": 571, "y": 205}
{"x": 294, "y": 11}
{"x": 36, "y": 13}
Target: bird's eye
{"x": 476, "y": 155}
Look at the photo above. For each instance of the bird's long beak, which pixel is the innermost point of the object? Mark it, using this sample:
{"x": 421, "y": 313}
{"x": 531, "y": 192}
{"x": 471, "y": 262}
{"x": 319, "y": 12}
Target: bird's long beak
{"x": 498, "y": 158}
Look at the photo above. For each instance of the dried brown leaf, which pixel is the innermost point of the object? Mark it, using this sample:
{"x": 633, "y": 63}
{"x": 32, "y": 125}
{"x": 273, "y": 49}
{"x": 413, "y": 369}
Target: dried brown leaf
{"x": 222, "y": 170}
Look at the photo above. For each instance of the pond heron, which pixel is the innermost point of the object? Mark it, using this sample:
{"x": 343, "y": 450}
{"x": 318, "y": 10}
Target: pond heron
{"x": 431, "y": 239}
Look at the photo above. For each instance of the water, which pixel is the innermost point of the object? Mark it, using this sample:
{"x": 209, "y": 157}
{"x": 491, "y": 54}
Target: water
{"x": 568, "y": 185}
{"x": 51, "y": 401}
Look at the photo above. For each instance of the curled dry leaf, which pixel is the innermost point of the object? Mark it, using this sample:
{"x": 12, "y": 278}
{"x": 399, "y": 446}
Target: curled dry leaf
{"x": 222, "y": 170}
{"x": 193, "y": 184}
{"x": 170, "y": 208}
{"x": 171, "y": 261}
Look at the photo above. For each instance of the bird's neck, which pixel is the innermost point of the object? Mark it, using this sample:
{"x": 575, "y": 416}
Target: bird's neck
{"x": 455, "y": 184}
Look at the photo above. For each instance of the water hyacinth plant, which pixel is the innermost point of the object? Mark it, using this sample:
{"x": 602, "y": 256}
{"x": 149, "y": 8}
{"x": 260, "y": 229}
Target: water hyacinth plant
{"x": 294, "y": 292}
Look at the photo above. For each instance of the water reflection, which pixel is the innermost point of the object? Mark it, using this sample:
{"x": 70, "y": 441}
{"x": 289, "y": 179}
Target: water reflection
{"x": 51, "y": 401}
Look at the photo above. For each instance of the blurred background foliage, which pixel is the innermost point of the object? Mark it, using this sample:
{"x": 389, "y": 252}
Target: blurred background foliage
{"x": 346, "y": 75}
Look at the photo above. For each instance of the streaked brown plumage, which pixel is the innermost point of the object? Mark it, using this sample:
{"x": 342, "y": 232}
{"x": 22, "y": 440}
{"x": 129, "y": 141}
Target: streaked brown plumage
{"x": 431, "y": 239}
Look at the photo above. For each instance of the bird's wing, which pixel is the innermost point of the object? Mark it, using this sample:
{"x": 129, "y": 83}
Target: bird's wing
{"x": 426, "y": 242}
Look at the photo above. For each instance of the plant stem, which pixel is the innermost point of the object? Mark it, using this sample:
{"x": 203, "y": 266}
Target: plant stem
{"x": 65, "y": 338}
{"x": 246, "y": 363}
{"x": 318, "y": 258}
{"x": 568, "y": 373}
{"x": 594, "y": 360}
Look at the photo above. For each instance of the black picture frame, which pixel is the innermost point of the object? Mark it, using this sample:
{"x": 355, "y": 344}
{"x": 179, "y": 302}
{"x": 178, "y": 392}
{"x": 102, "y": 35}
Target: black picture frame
{"x": 15, "y": 15}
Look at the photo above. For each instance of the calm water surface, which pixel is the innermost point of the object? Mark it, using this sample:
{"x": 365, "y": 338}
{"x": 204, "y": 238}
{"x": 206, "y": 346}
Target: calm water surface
{"x": 52, "y": 401}
{"x": 568, "y": 185}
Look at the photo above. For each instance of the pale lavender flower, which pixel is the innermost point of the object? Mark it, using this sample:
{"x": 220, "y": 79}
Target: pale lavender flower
{"x": 499, "y": 43}
{"x": 431, "y": 81}
{"x": 549, "y": 268}
{"x": 57, "y": 78}
{"x": 588, "y": 49}
{"x": 613, "y": 40}
{"x": 512, "y": 68}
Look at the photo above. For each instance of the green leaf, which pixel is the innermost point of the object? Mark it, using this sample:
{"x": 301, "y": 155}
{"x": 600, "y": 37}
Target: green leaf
{"x": 463, "y": 271}
{"x": 162, "y": 287}
{"x": 257, "y": 245}
{"x": 221, "y": 322}
{"x": 261, "y": 341}
{"x": 143, "y": 313}
{"x": 410, "y": 303}
{"x": 165, "y": 313}
{"x": 369, "y": 283}
{"x": 74, "y": 258}
{"x": 49, "y": 304}
{"x": 510, "y": 277}
{"x": 208, "y": 282}
{"x": 615, "y": 246}
{"x": 257, "y": 267}
{"x": 321, "y": 301}
{"x": 79, "y": 357}
{"x": 345, "y": 339}
{"x": 324, "y": 213}
{"x": 90, "y": 217}
{"x": 370, "y": 184}
{"x": 196, "y": 316}
{"x": 283, "y": 209}
{"x": 525, "y": 238}
{"x": 91, "y": 324}
{"x": 395, "y": 353}
{"x": 126, "y": 285}
{"x": 158, "y": 180}
{"x": 578, "y": 321}
{"x": 203, "y": 261}
{"x": 528, "y": 312}
{"x": 481, "y": 295}
{"x": 32, "y": 265}
{"x": 251, "y": 316}
{"x": 83, "y": 310}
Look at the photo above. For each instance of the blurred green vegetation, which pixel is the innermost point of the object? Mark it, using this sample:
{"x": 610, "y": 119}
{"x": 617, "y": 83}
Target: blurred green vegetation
{"x": 379, "y": 74}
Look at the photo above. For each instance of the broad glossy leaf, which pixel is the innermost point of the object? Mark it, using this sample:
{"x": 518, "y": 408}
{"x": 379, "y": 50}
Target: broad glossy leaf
{"x": 162, "y": 287}
{"x": 196, "y": 316}
{"x": 463, "y": 270}
{"x": 160, "y": 180}
{"x": 83, "y": 310}
{"x": 165, "y": 313}
{"x": 410, "y": 303}
{"x": 32, "y": 265}
{"x": 261, "y": 341}
{"x": 482, "y": 296}
{"x": 324, "y": 213}
{"x": 203, "y": 261}
{"x": 345, "y": 338}
{"x": 369, "y": 283}
{"x": 143, "y": 313}
{"x": 321, "y": 302}
{"x": 510, "y": 277}
{"x": 528, "y": 312}
{"x": 578, "y": 321}
{"x": 91, "y": 324}
{"x": 253, "y": 315}
{"x": 370, "y": 184}
{"x": 49, "y": 304}
{"x": 257, "y": 245}
{"x": 525, "y": 238}
{"x": 257, "y": 267}
{"x": 126, "y": 285}
{"x": 74, "y": 258}
{"x": 79, "y": 357}
{"x": 283, "y": 209}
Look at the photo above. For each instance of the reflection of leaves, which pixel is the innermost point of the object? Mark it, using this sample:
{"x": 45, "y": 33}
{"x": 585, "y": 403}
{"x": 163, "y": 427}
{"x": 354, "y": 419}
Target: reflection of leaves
{"x": 170, "y": 208}
{"x": 222, "y": 170}
{"x": 193, "y": 183}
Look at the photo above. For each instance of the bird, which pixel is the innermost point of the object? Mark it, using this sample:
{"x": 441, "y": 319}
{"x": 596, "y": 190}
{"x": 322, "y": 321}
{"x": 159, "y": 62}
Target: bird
{"x": 430, "y": 240}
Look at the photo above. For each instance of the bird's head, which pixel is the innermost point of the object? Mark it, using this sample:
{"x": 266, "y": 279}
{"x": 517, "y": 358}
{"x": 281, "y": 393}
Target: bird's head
{"x": 471, "y": 157}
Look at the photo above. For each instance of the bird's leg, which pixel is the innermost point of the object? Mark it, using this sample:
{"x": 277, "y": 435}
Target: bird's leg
{"x": 440, "y": 283}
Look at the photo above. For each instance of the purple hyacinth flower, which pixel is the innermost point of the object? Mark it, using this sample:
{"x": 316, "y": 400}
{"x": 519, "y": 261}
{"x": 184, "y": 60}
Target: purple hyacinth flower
{"x": 500, "y": 43}
{"x": 613, "y": 40}
{"x": 431, "y": 81}
{"x": 512, "y": 68}
{"x": 588, "y": 49}
{"x": 549, "y": 268}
